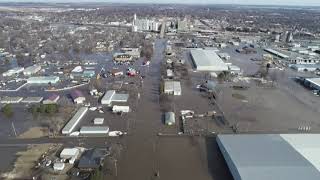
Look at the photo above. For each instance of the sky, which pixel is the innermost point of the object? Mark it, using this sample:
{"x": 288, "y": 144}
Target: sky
{"x": 244, "y": 2}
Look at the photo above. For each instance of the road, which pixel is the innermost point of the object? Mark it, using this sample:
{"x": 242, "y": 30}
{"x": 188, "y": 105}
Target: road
{"x": 138, "y": 156}
{"x": 139, "y": 145}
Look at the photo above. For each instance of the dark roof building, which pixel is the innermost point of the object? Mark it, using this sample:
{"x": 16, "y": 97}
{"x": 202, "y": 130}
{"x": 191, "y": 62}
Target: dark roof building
{"x": 92, "y": 159}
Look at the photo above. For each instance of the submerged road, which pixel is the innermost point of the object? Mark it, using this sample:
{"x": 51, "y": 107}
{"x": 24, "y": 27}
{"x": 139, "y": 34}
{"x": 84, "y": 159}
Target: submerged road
{"x": 138, "y": 158}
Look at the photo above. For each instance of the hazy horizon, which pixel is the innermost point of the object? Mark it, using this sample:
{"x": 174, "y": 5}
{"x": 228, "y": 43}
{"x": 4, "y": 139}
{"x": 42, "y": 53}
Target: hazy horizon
{"x": 200, "y": 2}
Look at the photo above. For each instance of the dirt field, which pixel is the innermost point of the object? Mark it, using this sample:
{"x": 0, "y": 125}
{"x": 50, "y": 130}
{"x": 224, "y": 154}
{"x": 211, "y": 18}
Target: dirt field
{"x": 27, "y": 160}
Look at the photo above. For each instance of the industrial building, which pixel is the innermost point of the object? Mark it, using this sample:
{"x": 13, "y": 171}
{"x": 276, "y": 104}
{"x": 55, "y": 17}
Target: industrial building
{"x": 31, "y": 70}
{"x": 111, "y": 96}
{"x": 10, "y": 100}
{"x": 207, "y": 60}
{"x": 172, "y": 87}
{"x": 169, "y": 118}
{"x": 43, "y": 80}
{"x": 134, "y": 52}
{"x": 32, "y": 100}
{"x": 313, "y": 83}
{"x": 276, "y": 53}
{"x": 85, "y": 130}
{"x": 271, "y": 156}
{"x": 73, "y": 122}
{"x": 88, "y": 73}
{"x": 305, "y": 67}
{"x": 13, "y": 71}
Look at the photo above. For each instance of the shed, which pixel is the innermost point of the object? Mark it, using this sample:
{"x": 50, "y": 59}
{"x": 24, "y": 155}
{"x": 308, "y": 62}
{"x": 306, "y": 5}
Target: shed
{"x": 98, "y": 121}
{"x": 121, "y": 109}
{"x": 68, "y": 153}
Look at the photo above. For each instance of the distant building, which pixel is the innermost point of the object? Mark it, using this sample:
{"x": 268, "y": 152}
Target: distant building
{"x": 88, "y": 73}
{"x": 10, "y": 100}
{"x": 183, "y": 25}
{"x": 78, "y": 97}
{"x": 32, "y": 100}
{"x": 145, "y": 25}
{"x": 13, "y": 71}
{"x": 31, "y": 70}
{"x": 134, "y": 52}
{"x": 43, "y": 80}
{"x": 122, "y": 57}
{"x": 53, "y": 99}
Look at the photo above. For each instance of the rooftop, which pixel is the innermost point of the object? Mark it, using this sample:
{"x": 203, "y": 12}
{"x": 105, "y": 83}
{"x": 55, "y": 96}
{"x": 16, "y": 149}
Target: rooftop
{"x": 272, "y": 156}
{"x": 207, "y": 60}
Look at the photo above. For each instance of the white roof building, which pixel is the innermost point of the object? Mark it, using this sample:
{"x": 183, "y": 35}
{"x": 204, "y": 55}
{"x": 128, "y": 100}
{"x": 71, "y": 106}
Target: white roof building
{"x": 43, "y": 80}
{"x": 172, "y": 87}
{"x": 13, "y": 71}
{"x": 10, "y": 100}
{"x": 68, "y": 153}
{"x": 120, "y": 109}
{"x": 94, "y": 130}
{"x": 207, "y": 60}
{"x": 111, "y": 96}
{"x": 98, "y": 121}
{"x": 58, "y": 166}
{"x": 32, "y": 100}
{"x": 69, "y": 127}
{"x": 271, "y": 156}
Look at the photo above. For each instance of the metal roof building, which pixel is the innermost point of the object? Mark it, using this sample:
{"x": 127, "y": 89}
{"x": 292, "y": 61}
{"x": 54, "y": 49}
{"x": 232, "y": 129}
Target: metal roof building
{"x": 32, "y": 100}
{"x": 43, "y": 80}
{"x": 276, "y": 53}
{"x": 111, "y": 96}
{"x": 271, "y": 156}
{"x": 172, "y": 87}
{"x": 69, "y": 127}
{"x": 94, "y": 130}
{"x": 31, "y": 70}
{"x": 207, "y": 60}
{"x": 314, "y": 82}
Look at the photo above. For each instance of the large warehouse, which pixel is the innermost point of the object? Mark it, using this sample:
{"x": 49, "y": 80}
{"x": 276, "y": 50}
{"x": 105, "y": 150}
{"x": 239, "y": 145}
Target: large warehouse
{"x": 271, "y": 156}
{"x": 207, "y": 60}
